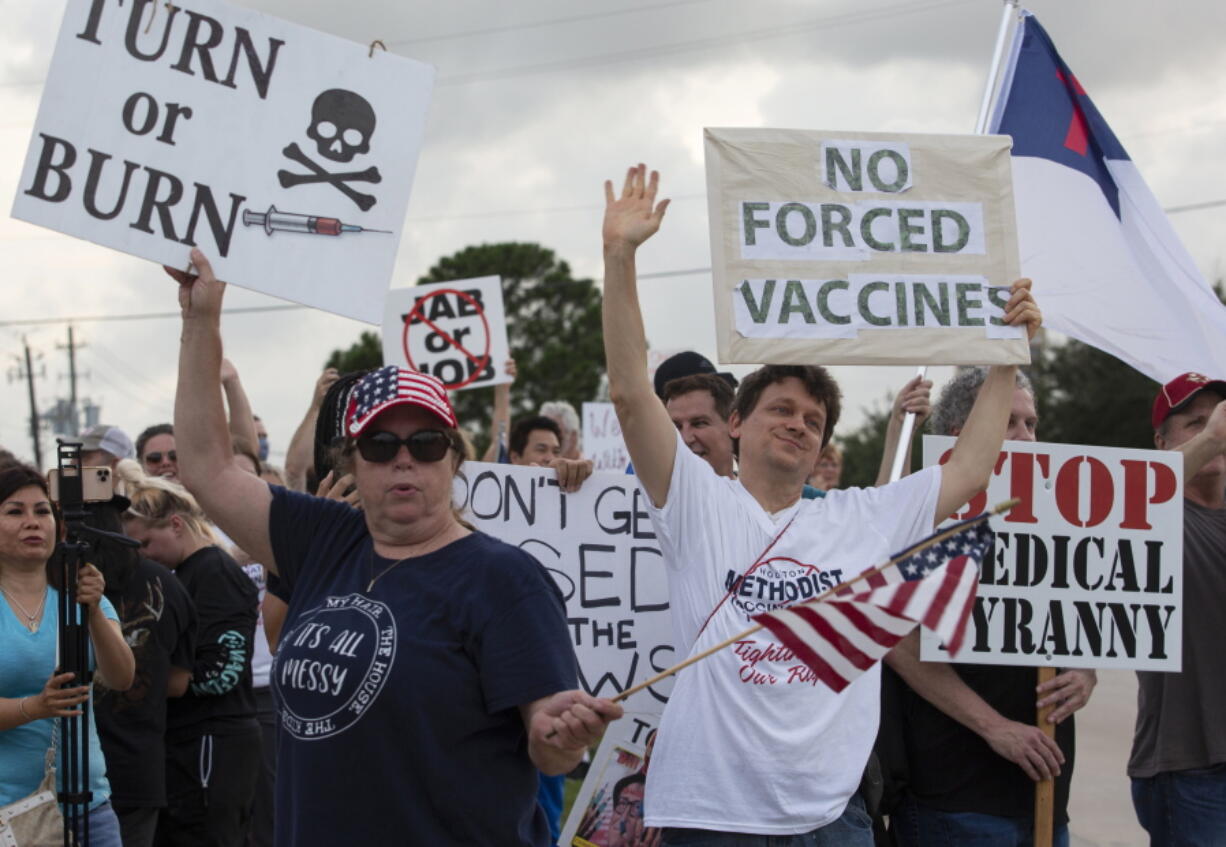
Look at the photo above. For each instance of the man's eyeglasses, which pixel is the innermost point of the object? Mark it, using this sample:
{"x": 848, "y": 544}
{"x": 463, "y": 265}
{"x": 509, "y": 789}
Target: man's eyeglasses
{"x": 156, "y": 458}
{"x": 425, "y": 445}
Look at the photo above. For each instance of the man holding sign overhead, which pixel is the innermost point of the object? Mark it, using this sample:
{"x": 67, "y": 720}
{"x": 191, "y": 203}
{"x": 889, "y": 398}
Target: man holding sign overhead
{"x": 779, "y": 755}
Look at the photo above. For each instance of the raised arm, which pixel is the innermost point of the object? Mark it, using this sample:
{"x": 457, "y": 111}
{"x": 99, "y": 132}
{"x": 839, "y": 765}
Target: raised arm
{"x": 242, "y": 420}
{"x": 500, "y": 424}
{"x": 1206, "y": 445}
{"x": 978, "y": 446}
{"x": 914, "y": 397}
{"x": 236, "y": 500}
{"x": 630, "y": 220}
{"x": 301, "y": 452}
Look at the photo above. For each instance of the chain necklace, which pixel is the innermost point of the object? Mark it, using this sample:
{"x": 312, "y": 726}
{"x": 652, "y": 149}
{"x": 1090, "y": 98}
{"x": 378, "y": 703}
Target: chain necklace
{"x": 32, "y": 618}
{"x": 376, "y": 577}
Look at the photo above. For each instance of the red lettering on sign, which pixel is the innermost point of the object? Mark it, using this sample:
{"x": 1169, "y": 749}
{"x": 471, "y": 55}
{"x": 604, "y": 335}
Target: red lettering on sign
{"x": 1068, "y": 491}
{"x": 1137, "y": 496}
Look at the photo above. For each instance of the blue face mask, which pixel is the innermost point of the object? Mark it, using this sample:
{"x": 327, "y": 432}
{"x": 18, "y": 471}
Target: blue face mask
{"x": 263, "y": 448}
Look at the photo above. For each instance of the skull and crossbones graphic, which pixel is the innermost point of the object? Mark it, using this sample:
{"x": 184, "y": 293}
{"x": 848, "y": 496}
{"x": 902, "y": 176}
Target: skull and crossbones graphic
{"x": 341, "y": 126}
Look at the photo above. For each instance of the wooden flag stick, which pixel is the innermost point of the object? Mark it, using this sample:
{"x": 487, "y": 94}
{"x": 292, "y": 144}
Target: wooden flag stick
{"x": 1045, "y": 791}
{"x": 953, "y": 530}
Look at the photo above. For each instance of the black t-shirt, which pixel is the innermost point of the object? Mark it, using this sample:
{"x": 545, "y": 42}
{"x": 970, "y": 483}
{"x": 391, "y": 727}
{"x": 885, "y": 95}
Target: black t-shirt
{"x": 952, "y": 769}
{"x": 398, "y": 702}
{"x": 219, "y": 700}
{"x": 159, "y": 624}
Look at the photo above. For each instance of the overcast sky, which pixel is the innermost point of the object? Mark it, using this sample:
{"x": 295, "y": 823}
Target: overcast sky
{"x": 538, "y": 101}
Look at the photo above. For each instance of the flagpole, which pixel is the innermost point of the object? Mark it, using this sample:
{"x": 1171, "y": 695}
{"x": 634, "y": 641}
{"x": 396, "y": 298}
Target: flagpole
{"x": 910, "y": 551}
{"x": 1008, "y": 15}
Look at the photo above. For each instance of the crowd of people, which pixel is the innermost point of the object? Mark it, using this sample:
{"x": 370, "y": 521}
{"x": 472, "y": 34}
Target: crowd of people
{"x": 329, "y": 653}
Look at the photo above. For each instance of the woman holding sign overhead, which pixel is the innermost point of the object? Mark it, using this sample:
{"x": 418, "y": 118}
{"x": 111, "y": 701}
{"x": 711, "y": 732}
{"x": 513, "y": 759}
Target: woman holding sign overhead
{"x": 425, "y": 670}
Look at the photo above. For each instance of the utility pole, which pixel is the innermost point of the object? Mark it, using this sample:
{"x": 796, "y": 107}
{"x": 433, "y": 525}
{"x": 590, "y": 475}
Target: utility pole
{"x": 74, "y": 415}
{"x": 38, "y": 450}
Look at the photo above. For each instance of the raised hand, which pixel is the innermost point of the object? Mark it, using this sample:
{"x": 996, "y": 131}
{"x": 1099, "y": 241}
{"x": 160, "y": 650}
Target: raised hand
{"x": 200, "y": 294}
{"x": 1022, "y": 308}
{"x": 914, "y": 397}
{"x": 634, "y": 217}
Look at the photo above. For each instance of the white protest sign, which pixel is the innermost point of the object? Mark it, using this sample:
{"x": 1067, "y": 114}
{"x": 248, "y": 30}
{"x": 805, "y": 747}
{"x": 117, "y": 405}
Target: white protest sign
{"x": 1087, "y": 570}
{"x": 608, "y": 810}
{"x": 862, "y": 248}
{"x": 456, "y": 331}
{"x": 602, "y": 438}
{"x": 599, "y": 547}
{"x": 285, "y": 154}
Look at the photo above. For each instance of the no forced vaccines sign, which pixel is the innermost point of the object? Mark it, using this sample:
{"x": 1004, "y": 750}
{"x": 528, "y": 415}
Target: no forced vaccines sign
{"x": 862, "y": 248}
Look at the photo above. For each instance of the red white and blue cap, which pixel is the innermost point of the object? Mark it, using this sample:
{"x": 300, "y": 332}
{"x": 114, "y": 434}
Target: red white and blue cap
{"x": 393, "y": 386}
{"x": 1180, "y": 391}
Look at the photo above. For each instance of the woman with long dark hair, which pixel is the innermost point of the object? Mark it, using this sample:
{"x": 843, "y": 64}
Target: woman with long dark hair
{"x": 31, "y": 696}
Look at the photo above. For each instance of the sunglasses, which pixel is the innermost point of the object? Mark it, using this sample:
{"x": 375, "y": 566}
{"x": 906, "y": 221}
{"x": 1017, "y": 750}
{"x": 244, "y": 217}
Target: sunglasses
{"x": 156, "y": 458}
{"x": 425, "y": 445}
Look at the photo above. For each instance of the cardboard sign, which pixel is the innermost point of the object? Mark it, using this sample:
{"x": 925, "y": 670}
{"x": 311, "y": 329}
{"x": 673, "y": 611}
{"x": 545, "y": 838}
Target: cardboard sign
{"x": 608, "y": 810}
{"x": 455, "y": 331}
{"x": 862, "y": 248}
{"x": 285, "y": 154}
{"x": 602, "y": 438}
{"x": 1087, "y": 571}
{"x": 599, "y": 546}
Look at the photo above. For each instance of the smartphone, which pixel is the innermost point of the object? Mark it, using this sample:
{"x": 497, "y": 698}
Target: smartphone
{"x": 97, "y": 486}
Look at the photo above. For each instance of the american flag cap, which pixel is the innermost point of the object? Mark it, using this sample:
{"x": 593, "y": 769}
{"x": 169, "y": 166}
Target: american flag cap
{"x": 391, "y": 386}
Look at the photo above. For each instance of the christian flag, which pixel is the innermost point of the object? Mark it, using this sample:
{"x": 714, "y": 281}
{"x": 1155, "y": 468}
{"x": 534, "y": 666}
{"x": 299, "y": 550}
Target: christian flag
{"x": 1107, "y": 266}
{"x": 932, "y": 583}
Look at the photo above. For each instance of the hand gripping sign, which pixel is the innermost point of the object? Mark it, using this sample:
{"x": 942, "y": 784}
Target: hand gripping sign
{"x": 455, "y": 331}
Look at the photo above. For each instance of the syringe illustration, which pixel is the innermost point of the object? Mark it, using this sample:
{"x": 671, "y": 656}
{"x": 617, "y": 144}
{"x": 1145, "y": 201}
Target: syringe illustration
{"x": 275, "y": 221}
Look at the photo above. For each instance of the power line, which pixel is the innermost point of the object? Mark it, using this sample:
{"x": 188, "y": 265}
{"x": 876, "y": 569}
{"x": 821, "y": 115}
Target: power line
{"x": 550, "y": 22}
{"x": 1192, "y": 207}
{"x": 700, "y": 43}
{"x": 243, "y": 310}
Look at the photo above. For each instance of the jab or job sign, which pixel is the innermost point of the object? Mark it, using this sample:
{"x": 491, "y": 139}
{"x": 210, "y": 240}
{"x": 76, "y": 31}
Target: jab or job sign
{"x": 456, "y": 331}
{"x": 862, "y": 248}
{"x": 1086, "y": 571}
{"x": 285, "y": 154}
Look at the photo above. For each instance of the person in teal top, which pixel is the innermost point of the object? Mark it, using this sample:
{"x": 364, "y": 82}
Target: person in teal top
{"x": 30, "y": 694}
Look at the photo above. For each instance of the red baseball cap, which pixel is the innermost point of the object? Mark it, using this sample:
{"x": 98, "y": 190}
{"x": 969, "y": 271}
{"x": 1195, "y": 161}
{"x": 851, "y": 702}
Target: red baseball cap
{"x": 1179, "y": 392}
{"x": 391, "y": 386}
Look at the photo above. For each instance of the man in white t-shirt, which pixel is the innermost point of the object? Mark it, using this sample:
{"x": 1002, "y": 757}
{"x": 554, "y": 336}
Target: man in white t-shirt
{"x": 752, "y": 746}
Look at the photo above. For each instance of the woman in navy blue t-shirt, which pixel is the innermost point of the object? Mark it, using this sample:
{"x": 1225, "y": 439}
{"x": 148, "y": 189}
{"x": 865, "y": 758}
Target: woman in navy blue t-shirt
{"x": 424, "y": 671}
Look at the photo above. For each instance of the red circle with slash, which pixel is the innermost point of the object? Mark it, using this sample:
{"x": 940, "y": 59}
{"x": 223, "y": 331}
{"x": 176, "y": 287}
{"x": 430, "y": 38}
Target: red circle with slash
{"x": 480, "y": 362}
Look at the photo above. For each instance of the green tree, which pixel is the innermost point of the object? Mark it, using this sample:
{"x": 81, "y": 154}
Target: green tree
{"x": 553, "y": 326}
{"x": 1086, "y": 396}
{"x": 363, "y": 354}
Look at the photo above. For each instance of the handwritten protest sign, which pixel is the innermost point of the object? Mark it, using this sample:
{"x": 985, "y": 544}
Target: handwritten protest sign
{"x": 599, "y": 547}
{"x": 455, "y": 331}
{"x": 602, "y": 438}
{"x": 608, "y": 810}
{"x": 1087, "y": 569}
{"x": 285, "y": 154}
{"x": 861, "y": 248}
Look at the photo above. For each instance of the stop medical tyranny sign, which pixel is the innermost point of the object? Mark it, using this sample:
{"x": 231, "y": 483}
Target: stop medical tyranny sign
{"x": 1087, "y": 569}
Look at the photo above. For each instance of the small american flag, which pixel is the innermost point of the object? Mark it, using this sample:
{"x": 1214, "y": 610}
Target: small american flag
{"x": 931, "y": 583}
{"x": 392, "y": 386}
